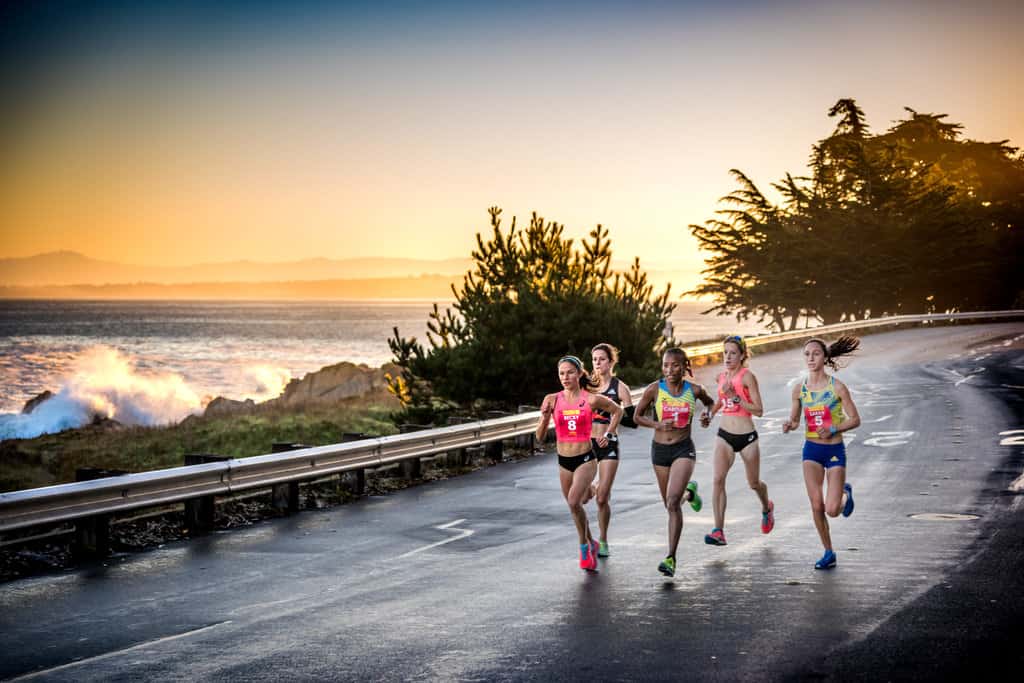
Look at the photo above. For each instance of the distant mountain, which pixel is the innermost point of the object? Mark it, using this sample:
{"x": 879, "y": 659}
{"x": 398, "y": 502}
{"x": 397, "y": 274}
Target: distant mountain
{"x": 72, "y": 268}
{"x": 68, "y": 274}
{"x": 425, "y": 287}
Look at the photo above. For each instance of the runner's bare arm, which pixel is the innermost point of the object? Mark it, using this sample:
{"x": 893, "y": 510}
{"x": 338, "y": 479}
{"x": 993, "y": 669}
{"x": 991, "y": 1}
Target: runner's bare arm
{"x": 852, "y": 420}
{"x": 547, "y": 407}
{"x": 794, "y": 412}
{"x": 640, "y": 415}
{"x": 754, "y": 405}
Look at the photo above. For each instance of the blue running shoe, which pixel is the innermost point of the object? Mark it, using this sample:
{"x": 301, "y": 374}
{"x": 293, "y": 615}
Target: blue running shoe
{"x": 848, "y": 508}
{"x": 827, "y": 561}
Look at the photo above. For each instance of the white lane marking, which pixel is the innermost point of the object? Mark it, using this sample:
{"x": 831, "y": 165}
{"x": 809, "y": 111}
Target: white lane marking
{"x": 463, "y": 534}
{"x": 881, "y": 419}
{"x": 1013, "y": 386}
{"x": 889, "y": 439}
{"x": 1018, "y": 484}
{"x": 1014, "y": 437}
{"x": 108, "y": 655}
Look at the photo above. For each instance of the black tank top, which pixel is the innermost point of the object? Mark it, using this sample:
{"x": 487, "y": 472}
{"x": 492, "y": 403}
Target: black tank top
{"x": 611, "y": 393}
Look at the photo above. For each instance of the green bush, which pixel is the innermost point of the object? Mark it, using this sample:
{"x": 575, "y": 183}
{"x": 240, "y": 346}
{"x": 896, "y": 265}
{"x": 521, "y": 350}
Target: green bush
{"x": 532, "y": 297}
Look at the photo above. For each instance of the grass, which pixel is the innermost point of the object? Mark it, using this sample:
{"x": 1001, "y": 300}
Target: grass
{"x": 53, "y": 458}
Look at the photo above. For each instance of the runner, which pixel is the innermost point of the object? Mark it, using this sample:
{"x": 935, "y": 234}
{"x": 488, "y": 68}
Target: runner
{"x": 573, "y": 410}
{"x": 828, "y": 411}
{"x": 673, "y": 454}
{"x": 604, "y": 357}
{"x": 739, "y": 399}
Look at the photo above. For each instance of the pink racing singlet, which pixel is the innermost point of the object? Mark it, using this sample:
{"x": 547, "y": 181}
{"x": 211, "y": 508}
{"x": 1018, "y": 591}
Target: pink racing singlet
{"x": 572, "y": 421}
{"x": 732, "y": 406}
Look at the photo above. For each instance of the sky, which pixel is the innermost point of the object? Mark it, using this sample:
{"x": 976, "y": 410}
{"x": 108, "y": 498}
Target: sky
{"x": 195, "y": 132}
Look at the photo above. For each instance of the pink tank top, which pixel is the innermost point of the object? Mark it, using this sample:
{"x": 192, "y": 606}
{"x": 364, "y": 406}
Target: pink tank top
{"x": 572, "y": 421}
{"x": 732, "y": 407}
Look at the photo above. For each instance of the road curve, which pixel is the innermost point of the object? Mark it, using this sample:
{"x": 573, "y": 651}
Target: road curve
{"x": 475, "y": 578}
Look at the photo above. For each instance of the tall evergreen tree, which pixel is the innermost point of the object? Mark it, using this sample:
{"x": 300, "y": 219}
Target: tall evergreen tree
{"x": 532, "y": 296}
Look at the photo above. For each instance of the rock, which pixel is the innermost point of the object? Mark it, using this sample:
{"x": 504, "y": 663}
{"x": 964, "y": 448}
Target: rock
{"x": 334, "y": 383}
{"x": 31, "y": 404}
{"x": 221, "y": 406}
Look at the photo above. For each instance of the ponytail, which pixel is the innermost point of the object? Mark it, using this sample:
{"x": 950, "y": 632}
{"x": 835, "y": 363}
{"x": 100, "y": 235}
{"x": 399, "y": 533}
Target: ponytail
{"x": 843, "y": 346}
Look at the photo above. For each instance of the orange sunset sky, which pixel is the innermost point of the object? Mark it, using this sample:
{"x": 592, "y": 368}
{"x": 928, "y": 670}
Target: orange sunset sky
{"x": 219, "y": 131}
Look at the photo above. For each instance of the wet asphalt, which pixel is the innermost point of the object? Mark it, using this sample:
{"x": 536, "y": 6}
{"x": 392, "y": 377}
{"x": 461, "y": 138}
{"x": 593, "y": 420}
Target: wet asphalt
{"x": 476, "y": 578}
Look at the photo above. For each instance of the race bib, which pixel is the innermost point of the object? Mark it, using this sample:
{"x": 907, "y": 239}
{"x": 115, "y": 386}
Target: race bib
{"x": 679, "y": 414}
{"x": 817, "y": 417}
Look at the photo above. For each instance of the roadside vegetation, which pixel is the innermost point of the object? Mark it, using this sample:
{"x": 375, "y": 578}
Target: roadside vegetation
{"x": 54, "y": 458}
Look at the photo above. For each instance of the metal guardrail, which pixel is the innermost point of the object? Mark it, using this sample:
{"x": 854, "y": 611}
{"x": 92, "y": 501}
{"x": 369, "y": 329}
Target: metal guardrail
{"x": 66, "y": 502}
{"x": 709, "y": 349}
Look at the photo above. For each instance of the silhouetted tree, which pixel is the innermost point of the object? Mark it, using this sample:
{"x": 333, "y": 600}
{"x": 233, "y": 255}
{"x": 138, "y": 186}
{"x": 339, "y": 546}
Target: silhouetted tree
{"x": 914, "y": 220}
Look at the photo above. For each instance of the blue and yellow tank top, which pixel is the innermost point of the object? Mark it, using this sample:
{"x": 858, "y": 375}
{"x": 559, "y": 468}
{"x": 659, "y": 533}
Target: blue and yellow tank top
{"x": 681, "y": 408}
{"x": 821, "y": 408}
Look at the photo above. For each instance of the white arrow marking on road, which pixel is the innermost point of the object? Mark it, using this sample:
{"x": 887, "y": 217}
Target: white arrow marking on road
{"x": 463, "y": 533}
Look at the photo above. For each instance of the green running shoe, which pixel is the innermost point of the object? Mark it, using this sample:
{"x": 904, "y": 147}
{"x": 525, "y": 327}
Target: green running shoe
{"x": 668, "y": 566}
{"x": 695, "y": 500}
{"x": 602, "y": 550}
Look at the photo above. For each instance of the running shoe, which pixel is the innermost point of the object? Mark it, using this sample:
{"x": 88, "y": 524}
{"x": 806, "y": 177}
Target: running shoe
{"x": 602, "y": 550}
{"x": 695, "y": 501}
{"x": 768, "y": 518}
{"x": 827, "y": 561}
{"x": 668, "y": 566}
{"x": 595, "y": 551}
{"x": 848, "y": 508}
{"x": 585, "y": 560}
{"x": 716, "y": 537}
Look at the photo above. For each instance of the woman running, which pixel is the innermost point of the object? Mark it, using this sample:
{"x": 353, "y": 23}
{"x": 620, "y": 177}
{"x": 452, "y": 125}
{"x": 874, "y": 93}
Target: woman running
{"x": 828, "y": 411}
{"x": 604, "y": 357}
{"x": 573, "y": 409}
{"x": 739, "y": 399}
{"x": 672, "y": 451}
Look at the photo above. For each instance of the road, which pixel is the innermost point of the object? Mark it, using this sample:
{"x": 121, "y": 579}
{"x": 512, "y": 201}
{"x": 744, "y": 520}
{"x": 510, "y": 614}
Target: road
{"x": 476, "y": 578}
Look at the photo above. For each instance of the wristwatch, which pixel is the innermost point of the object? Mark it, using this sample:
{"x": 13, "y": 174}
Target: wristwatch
{"x": 832, "y": 430}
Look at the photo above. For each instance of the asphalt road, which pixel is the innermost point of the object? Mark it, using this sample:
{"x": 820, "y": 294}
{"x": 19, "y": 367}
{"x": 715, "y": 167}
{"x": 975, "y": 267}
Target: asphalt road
{"x": 476, "y": 578}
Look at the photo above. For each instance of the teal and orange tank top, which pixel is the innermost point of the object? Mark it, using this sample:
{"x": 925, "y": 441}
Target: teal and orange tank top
{"x": 680, "y": 407}
{"x": 821, "y": 408}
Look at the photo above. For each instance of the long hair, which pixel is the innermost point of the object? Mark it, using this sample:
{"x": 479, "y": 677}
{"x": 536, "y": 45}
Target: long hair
{"x": 585, "y": 380}
{"x": 843, "y": 346}
{"x": 681, "y": 355}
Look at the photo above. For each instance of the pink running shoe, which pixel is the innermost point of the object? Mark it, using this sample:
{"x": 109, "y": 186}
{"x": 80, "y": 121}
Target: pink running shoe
{"x": 716, "y": 537}
{"x": 595, "y": 548}
{"x": 768, "y": 518}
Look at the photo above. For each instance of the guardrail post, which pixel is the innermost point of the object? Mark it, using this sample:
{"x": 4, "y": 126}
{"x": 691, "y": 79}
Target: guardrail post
{"x": 357, "y": 481}
{"x": 526, "y": 440}
{"x": 285, "y": 497}
{"x": 92, "y": 534}
{"x": 494, "y": 449}
{"x": 459, "y": 455}
{"x": 199, "y": 511}
{"x": 411, "y": 467}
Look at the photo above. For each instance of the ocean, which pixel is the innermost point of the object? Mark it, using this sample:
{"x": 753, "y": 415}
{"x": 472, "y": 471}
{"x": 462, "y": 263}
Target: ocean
{"x": 173, "y": 356}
